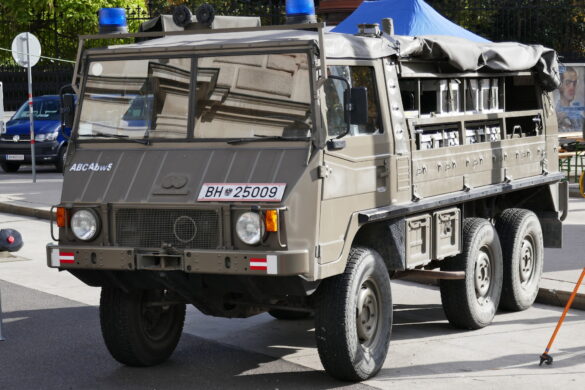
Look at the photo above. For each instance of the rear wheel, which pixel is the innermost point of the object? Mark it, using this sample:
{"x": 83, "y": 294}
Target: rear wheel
{"x": 280, "y": 314}
{"x": 523, "y": 251}
{"x": 138, "y": 331}
{"x": 471, "y": 303}
{"x": 9, "y": 167}
{"x": 353, "y": 318}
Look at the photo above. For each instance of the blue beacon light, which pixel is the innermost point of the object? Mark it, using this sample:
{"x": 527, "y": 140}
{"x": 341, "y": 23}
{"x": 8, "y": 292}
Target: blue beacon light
{"x": 300, "y": 11}
{"x": 112, "y": 20}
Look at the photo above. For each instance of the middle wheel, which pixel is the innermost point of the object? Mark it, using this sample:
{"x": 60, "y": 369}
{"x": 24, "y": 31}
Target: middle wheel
{"x": 353, "y": 317}
{"x": 471, "y": 303}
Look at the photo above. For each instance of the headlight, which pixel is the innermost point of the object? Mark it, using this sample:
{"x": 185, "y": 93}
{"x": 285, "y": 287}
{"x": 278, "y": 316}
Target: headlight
{"x": 85, "y": 224}
{"x": 250, "y": 228}
{"x": 46, "y": 136}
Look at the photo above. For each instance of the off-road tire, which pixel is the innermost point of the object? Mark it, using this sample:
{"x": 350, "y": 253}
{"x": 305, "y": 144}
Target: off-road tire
{"x": 9, "y": 167}
{"x": 471, "y": 303}
{"x": 345, "y": 353}
{"x": 287, "y": 315}
{"x": 125, "y": 329}
{"x": 523, "y": 253}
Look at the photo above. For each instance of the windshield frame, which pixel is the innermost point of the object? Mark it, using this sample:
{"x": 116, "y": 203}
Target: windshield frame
{"x": 88, "y": 58}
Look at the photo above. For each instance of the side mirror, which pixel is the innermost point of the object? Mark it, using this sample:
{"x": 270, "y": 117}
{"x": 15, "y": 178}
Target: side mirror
{"x": 68, "y": 110}
{"x": 358, "y": 106}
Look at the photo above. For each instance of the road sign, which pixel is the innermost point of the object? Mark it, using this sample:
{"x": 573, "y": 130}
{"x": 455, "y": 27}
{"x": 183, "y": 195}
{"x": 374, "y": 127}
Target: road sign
{"x": 26, "y": 51}
{"x": 20, "y": 49}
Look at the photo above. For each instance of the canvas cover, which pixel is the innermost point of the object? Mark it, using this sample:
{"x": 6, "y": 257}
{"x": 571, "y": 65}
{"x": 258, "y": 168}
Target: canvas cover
{"x": 461, "y": 53}
{"x": 411, "y": 17}
{"x": 465, "y": 55}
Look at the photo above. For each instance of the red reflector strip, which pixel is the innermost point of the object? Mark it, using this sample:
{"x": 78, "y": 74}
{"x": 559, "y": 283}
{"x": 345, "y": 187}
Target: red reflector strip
{"x": 67, "y": 257}
{"x": 10, "y": 239}
{"x": 258, "y": 264}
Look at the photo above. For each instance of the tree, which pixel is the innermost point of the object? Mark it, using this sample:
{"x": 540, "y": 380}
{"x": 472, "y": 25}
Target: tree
{"x": 57, "y": 23}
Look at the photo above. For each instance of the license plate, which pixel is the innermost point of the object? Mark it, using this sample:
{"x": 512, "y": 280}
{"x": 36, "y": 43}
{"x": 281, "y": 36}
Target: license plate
{"x": 15, "y": 157}
{"x": 249, "y": 192}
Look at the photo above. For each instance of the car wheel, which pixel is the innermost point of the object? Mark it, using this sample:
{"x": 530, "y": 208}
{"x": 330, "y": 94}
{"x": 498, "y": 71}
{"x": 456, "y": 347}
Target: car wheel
{"x": 353, "y": 317}
{"x": 10, "y": 167}
{"x": 136, "y": 332}
{"x": 523, "y": 251}
{"x": 471, "y": 303}
{"x": 60, "y": 163}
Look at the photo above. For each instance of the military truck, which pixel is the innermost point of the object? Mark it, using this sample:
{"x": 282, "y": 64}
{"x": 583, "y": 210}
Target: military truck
{"x": 294, "y": 171}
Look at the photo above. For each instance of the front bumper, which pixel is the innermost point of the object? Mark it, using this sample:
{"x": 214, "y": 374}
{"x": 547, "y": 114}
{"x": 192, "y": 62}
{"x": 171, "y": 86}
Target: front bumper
{"x": 45, "y": 152}
{"x": 284, "y": 263}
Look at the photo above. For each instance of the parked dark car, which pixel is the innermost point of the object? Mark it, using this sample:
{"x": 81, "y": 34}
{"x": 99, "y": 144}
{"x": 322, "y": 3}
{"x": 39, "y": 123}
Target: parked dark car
{"x": 50, "y": 142}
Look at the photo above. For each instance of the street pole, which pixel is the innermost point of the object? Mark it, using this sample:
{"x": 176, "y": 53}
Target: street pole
{"x": 1, "y": 330}
{"x": 30, "y": 110}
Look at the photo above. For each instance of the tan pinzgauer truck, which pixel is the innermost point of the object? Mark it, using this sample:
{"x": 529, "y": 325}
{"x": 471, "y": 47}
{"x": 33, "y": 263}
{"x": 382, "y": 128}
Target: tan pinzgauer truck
{"x": 294, "y": 171}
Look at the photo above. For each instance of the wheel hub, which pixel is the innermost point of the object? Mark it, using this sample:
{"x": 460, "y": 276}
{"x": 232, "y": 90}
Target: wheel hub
{"x": 526, "y": 261}
{"x": 367, "y": 313}
{"x": 482, "y": 274}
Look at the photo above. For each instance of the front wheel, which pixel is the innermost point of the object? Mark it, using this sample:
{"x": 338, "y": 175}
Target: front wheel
{"x": 138, "y": 330}
{"x": 353, "y": 318}
{"x": 471, "y": 303}
{"x": 9, "y": 167}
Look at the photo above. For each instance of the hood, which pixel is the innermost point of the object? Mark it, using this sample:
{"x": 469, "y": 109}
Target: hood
{"x": 176, "y": 175}
{"x": 22, "y": 126}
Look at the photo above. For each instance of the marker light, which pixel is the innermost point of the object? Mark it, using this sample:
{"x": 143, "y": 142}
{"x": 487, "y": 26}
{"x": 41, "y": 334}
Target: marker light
{"x": 271, "y": 220}
{"x": 112, "y": 20}
{"x": 61, "y": 217}
{"x": 300, "y": 11}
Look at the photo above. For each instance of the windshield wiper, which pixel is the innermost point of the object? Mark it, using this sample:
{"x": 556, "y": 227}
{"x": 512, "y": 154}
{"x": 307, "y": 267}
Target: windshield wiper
{"x": 260, "y": 138}
{"x": 117, "y": 136}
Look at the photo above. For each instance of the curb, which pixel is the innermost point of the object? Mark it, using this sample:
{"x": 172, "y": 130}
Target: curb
{"x": 545, "y": 296}
{"x": 25, "y": 211}
{"x": 560, "y": 298}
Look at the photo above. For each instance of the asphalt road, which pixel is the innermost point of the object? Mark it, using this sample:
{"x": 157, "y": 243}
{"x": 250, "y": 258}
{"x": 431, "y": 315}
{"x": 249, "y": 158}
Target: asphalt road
{"x": 54, "y": 343}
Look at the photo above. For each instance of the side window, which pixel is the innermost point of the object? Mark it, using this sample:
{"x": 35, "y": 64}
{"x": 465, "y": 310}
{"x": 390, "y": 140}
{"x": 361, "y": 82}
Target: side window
{"x": 358, "y": 76}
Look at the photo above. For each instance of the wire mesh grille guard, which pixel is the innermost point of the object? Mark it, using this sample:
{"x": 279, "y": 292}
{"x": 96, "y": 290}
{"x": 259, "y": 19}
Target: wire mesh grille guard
{"x": 150, "y": 228}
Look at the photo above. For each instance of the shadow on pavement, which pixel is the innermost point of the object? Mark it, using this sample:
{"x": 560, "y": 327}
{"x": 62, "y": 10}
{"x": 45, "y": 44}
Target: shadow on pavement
{"x": 60, "y": 347}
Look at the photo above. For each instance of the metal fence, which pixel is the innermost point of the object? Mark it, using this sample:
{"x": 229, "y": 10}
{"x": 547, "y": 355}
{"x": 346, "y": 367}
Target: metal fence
{"x": 46, "y": 81}
{"x": 559, "y": 24}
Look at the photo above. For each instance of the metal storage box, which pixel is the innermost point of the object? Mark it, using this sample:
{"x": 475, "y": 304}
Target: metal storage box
{"x": 446, "y": 227}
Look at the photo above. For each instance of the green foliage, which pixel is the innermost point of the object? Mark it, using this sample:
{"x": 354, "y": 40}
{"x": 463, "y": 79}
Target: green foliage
{"x": 57, "y": 23}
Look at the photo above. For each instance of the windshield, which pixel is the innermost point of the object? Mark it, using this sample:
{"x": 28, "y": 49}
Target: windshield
{"x": 226, "y": 97}
{"x": 44, "y": 110}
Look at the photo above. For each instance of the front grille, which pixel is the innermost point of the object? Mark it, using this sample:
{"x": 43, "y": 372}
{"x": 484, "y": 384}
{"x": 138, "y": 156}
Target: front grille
{"x": 151, "y": 228}
{"x": 10, "y": 137}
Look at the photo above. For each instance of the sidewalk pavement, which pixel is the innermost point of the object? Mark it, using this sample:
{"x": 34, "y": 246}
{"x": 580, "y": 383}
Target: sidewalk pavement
{"x": 562, "y": 267}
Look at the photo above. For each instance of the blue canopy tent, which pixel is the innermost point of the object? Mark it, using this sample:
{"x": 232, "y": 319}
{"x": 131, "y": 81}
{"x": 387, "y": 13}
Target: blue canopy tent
{"x": 411, "y": 17}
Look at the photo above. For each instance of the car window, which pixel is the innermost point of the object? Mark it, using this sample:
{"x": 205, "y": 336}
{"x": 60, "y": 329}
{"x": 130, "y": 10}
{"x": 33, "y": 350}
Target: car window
{"x": 47, "y": 110}
{"x": 358, "y": 76}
